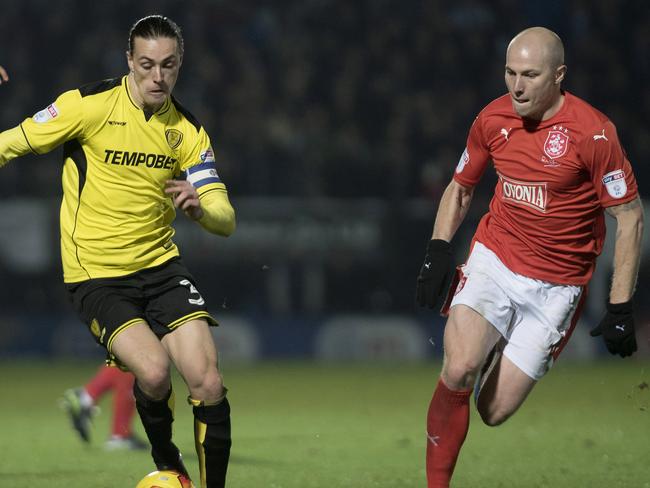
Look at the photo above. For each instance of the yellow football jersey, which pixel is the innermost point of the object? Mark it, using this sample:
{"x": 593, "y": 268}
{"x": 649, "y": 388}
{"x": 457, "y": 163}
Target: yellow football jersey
{"x": 115, "y": 217}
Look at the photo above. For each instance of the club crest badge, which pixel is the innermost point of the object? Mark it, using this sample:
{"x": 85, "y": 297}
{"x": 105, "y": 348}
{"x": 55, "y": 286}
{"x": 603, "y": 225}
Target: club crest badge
{"x": 556, "y": 145}
{"x": 174, "y": 138}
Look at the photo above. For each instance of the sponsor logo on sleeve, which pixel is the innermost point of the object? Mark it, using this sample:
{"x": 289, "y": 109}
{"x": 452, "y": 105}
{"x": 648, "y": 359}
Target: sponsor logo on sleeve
{"x": 207, "y": 156}
{"x": 463, "y": 161}
{"x": 48, "y": 113}
{"x": 614, "y": 182}
{"x": 529, "y": 194}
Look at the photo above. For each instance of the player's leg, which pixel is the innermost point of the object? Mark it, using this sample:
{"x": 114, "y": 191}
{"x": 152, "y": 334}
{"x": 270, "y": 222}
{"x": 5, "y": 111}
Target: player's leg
{"x": 102, "y": 382}
{"x": 467, "y": 341}
{"x": 140, "y": 350}
{"x": 178, "y": 313}
{"x": 123, "y": 404}
{"x": 192, "y": 349}
{"x": 122, "y": 436}
{"x": 493, "y": 358}
{"x": 81, "y": 410}
{"x": 546, "y": 315}
{"x": 505, "y": 389}
{"x": 80, "y": 403}
{"x": 114, "y": 311}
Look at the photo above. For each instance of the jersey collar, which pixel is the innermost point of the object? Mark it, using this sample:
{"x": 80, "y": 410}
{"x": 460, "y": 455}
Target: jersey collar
{"x": 147, "y": 115}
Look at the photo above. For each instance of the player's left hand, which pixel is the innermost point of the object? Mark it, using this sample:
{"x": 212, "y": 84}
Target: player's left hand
{"x": 617, "y": 329}
{"x": 185, "y": 197}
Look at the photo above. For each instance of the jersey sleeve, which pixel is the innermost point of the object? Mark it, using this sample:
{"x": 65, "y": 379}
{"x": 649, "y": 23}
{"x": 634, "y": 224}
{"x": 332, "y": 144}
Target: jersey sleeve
{"x": 473, "y": 161}
{"x": 610, "y": 171}
{"x": 199, "y": 165}
{"x": 12, "y": 145}
{"x": 59, "y": 122}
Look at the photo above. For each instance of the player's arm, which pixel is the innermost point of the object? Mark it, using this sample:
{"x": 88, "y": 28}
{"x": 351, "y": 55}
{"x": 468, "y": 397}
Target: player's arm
{"x": 13, "y": 144}
{"x": 58, "y": 122}
{"x": 437, "y": 269}
{"x": 617, "y": 327}
{"x": 613, "y": 179}
{"x": 218, "y": 213}
{"x": 211, "y": 209}
{"x": 627, "y": 250}
{"x": 200, "y": 193}
{"x": 452, "y": 210}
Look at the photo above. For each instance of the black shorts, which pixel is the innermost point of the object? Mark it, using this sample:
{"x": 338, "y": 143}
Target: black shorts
{"x": 164, "y": 297}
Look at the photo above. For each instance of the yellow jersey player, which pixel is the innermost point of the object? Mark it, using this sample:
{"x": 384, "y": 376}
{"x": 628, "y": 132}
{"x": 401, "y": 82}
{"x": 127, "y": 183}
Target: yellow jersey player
{"x": 132, "y": 154}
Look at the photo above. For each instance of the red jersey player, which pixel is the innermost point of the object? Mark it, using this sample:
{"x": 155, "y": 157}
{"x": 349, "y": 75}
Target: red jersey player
{"x": 560, "y": 166}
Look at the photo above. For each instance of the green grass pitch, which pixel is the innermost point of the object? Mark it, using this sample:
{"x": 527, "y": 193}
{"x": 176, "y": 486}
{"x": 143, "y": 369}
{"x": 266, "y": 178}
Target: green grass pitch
{"x": 307, "y": 425}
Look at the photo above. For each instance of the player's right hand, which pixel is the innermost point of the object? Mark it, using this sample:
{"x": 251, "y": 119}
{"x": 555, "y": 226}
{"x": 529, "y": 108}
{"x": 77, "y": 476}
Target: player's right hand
{"x": 617, "y": 329}
{"x": 435, "y": 274}
{"x": 185, "y": 197}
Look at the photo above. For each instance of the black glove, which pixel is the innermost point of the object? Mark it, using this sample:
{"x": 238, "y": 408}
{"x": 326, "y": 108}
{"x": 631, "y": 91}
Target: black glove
{"x": 435, "y": 274}
{"x": 617, "y": 329}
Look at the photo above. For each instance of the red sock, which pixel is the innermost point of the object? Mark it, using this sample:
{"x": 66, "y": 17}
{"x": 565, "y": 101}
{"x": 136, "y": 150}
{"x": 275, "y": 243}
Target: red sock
{"x": 123, "y": 404}
{"x": 447, "y": 426}
{"x": 102, "y": 382}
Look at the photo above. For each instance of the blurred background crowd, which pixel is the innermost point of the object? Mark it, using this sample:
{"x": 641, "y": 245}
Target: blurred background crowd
{"x": 337, "y": 124}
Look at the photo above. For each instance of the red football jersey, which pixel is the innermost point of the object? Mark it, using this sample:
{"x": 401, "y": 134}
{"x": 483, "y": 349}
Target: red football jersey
{"x": 546, "y": 218}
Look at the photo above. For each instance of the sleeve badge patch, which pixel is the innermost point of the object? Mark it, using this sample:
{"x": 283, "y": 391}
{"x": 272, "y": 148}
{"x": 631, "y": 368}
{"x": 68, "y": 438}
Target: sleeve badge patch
{"x": 463, "y": 161}
{"x": 207, "y": 156}
{"x": 48, "y": 113}
{"x": 614, "y": 182}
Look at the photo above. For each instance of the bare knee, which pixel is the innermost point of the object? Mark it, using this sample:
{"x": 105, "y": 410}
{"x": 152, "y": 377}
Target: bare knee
{"x": 155, "y": 380}
{"x": 208, "y": 386}
{"x": 492, "y": 415}
{"x": 460, "y": 374}
{"x": 494, "y": 419}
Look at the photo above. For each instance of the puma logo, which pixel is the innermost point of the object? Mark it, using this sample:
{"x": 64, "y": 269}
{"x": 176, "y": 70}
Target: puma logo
{"x": 600, "y": 136}
{"x": 433, "y": 439}
{"x": 620, "y": 327}
{"x": 505, "y": 132}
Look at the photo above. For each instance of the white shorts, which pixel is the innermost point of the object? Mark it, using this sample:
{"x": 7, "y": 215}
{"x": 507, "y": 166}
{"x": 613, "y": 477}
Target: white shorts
{"x": 534, "y": 317}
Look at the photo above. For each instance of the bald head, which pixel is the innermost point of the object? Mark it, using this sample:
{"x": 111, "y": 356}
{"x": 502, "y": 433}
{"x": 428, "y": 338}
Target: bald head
{"x": 541, "y": 42}
{"x": 534, "y": 71}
